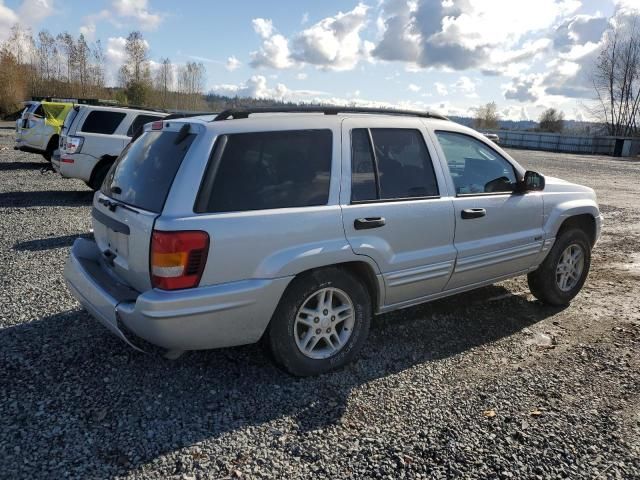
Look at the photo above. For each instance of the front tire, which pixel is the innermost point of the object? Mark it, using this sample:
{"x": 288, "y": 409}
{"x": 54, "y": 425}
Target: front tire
{"x": 563, "y": 273}
{"x": 321, "y": 322}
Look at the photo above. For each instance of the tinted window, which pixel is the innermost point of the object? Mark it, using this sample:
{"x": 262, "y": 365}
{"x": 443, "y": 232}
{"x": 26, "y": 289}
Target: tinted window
{"x": 363, "y": 177}
{"x": 271, "y": 170}
{"x": 144, "y": 171}
{"x": 101, "y": 121}
{"x": 39, "y": 111}
{"x": 404, "y": 165}
{"x": 474, "y": 167}
{"x": 139, "y": 122}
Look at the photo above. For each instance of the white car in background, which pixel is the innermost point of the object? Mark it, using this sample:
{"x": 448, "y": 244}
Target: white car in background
{"x": 93, "y": 136}
{"x": 38, "y": 128}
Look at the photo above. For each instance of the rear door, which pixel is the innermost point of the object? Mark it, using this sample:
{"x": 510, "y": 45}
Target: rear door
{"x": 103, "y": 132}
{"x": 498, "y": 232}
{"x": 395, "y": 207}
{"x": 132, "y": 196}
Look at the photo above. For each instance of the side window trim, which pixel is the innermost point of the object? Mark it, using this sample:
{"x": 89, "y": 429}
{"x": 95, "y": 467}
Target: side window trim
{"x": 374, "y": 157}
{"x": 376, "y": 172}
{"x": 516, "y": 174}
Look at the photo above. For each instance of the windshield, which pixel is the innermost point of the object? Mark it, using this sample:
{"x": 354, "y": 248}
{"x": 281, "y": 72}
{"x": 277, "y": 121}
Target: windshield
{"x": 143, "y": 173}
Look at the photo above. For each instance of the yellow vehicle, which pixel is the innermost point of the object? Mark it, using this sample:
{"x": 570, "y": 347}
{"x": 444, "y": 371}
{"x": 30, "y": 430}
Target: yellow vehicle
{"x": 38, "y": 128}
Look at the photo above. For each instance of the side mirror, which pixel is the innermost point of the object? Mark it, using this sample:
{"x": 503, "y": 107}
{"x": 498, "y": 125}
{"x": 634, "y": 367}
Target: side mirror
{"x": 533, "y": 181}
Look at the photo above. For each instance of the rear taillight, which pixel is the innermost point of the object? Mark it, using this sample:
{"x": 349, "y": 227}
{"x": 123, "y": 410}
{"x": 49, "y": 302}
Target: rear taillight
{"x": 73, "y": 144}
{"x": 178, "y": 258}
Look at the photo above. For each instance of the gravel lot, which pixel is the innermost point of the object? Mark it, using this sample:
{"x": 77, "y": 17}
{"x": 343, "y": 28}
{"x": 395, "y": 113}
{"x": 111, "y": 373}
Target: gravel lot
{"x": 463, "y": 387}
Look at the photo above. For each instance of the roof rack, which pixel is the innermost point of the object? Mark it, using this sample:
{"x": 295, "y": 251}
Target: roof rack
{"x": 237, "y": 113}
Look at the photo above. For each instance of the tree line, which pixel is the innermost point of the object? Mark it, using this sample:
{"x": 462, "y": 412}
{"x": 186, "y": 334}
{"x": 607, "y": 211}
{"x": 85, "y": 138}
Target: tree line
{"x": 72, "y": 67}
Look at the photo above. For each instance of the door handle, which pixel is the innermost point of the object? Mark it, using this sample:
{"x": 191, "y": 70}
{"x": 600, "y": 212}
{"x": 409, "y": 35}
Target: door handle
{"x": 473, "y": 213}
{"x": 369, "y": 222}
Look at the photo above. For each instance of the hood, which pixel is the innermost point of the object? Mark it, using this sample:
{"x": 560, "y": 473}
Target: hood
{"x": 553, "y": 184}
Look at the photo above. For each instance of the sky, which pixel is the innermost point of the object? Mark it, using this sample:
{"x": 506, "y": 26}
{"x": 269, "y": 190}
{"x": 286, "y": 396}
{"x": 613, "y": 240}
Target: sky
{"x": 447, "y": 56}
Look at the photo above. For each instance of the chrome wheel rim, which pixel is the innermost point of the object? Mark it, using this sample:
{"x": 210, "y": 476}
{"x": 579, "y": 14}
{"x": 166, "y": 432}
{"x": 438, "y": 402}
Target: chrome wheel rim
{"x": 324, "y": 323}
{"x": 570, "y": 267}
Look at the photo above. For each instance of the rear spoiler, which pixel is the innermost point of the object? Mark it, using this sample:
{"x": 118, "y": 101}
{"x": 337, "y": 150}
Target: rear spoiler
{"x": 171, "y": 116}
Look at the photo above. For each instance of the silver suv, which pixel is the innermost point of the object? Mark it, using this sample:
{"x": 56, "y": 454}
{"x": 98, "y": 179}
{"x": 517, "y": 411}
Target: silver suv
{"x": 297, "y": 226}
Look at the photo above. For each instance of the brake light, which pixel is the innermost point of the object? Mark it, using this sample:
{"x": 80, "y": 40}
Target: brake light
{"x": 178, "y": 258}
{"x": 157, "y": 125}
{"x": 73, "y": 144}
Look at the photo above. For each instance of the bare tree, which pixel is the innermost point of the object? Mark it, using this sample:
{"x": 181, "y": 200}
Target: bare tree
{"x": 135, "y": 74}
{"x": 486, "y": 116}
{"x": 191, "y": 79}
{"x": 552, "y": 120}
{"x": 616, "y": 79}
{"x": 164, "y": 81}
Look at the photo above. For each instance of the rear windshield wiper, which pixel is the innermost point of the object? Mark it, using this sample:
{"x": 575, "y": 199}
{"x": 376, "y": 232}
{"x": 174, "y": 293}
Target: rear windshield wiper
{"x": 112, "y": 205}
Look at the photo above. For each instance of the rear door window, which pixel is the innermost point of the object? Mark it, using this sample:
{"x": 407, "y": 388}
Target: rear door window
{"x": 102, "y": 121}
{"x": 144, "y": 172}
{"x": 390, "y": 164}
{"x": 139, "y": 122}
{"x": 269, "y": 170}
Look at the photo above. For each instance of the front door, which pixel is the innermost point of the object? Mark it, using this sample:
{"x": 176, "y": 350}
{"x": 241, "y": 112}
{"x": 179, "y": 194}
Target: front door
{"x": 498, "y": 232}
{"x": 394, "y": 206}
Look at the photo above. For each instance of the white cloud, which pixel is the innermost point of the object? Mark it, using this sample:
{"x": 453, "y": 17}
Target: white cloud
{"x": 138, "y": 11}
{"x": 274, "y": 51}
{"x": 413, "y": 87}
{"x": 462, "y": 35}
{"x": 333, "y": 43}
{"x": 233, "y": 63}
{"x": 263, "y": 27}
{"x": 257, "y": 87}
{"x": 34, "y": 11}
{"x": 441, "y": 88}
{"x": 466, "y": 86}
{"x": 8, "y": 18}
{"x": 522, "y": 88}
{"x": 301, "y": 76}
{"x": 305, "y": 18}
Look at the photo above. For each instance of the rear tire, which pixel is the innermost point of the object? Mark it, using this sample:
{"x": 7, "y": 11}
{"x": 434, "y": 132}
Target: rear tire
{"x": 559, "y": 278}
{"x": 98, "y": 176}
{"x": 51, "y": 147}
{"x": 333, "y": 331}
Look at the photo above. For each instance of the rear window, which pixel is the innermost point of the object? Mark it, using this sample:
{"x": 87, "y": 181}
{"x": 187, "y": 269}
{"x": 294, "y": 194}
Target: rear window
{"x": 139, "y": 122}
{"x": 268, "y": 170}
{"x": 143, "y": 173}
{"x": 102, "y": 121}
{"x": 73, "y": 113}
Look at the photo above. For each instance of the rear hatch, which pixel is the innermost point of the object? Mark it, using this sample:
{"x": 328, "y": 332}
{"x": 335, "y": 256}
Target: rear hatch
{"x": 133, "y": 196}
{"x": 71, "y": 116}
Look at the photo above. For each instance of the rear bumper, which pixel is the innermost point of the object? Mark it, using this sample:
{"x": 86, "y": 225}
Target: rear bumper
{"x": 223, "y": 315}
{"x": 78, "y": 165}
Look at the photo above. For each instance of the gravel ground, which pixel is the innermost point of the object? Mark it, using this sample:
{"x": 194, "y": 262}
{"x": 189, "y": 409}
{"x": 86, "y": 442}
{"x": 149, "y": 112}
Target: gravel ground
{"x": 489, "y": 384}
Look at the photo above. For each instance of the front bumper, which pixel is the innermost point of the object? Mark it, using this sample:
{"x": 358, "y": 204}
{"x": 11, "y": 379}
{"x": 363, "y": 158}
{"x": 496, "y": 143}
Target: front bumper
{"x": 216, "y": 316}
{"x": 599, "y": 221}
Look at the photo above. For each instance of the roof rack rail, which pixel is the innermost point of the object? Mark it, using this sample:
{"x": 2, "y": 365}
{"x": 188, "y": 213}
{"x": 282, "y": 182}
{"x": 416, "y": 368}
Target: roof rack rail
{"x": 237, "y": 113}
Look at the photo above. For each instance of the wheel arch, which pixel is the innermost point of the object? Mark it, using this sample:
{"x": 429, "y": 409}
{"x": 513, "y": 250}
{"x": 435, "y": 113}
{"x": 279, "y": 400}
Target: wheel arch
{"x": 583, "y": 221}
{"x": 104, "y": 159}
{"x": 574, "y": 214}
{"x": 363, "y": 270}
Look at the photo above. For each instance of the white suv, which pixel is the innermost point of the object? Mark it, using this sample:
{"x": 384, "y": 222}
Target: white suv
{"x": 297, "y": 228}
{"x": 92, "y": 138}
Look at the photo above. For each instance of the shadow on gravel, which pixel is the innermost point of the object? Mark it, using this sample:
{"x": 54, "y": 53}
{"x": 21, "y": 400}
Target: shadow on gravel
{"x": 49, "y": 243}
{"x": 9, "y": 166}
{"x": 86, "y": 405}
{"x": 46, "y": 198}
